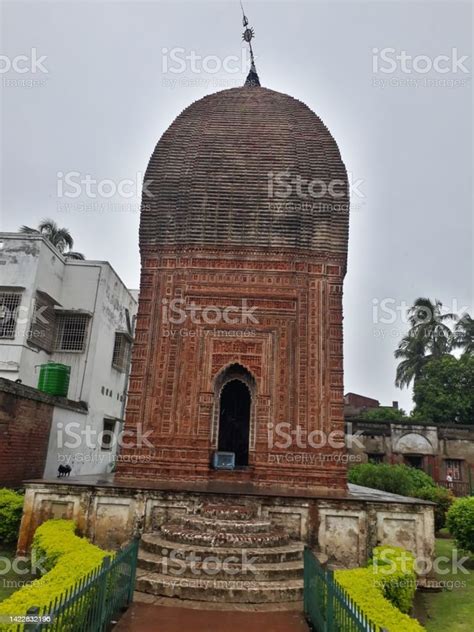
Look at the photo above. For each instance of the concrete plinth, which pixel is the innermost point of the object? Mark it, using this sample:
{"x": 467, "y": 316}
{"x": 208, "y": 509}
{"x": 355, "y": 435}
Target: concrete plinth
{"x": 344, "y": 527}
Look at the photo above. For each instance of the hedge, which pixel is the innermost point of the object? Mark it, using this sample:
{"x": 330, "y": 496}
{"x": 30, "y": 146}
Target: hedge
{"x": 384, "y": 590}
{"x": 11, "y": 507}
{"x": 67, "y": 558}
{"x": 404, "y": 480}
{"x": 460, "y": 522}
{"x": 396, "y": 479}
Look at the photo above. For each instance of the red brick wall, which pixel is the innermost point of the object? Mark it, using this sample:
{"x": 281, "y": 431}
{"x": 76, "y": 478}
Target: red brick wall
{"x": 25, "y": 424}
{"x": 295, "y": 356}
{"x": 360, "y": 401}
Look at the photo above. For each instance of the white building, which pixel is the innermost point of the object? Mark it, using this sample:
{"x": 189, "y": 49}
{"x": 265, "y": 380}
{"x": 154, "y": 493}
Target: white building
{"x": 77, "y": 313}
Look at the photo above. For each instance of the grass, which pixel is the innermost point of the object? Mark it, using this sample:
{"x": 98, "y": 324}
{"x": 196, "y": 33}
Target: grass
{"x": 453, "y": 609}
{"x": 10, "y": 581}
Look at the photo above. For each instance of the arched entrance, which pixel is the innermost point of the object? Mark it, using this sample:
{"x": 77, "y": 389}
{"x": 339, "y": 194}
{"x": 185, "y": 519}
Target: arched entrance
{"x": 234, "y": 421}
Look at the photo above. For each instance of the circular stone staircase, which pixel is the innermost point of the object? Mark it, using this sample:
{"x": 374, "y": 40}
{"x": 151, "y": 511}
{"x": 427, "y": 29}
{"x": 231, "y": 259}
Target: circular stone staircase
{"x": 223, "y": 554}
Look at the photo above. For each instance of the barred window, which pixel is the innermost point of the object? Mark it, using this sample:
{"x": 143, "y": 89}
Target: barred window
{"x": 108, "y": 434}
{"x": 9, "y": 304}
{"x": 121, "y": 353}
{"x": 71, "y": 332}
{"x": 43, "y": 323}
{"x": 454, "y": 467}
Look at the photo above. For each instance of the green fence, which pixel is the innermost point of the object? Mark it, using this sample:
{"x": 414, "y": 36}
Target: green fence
{"x": 327, "y": 605}
{"x": 94, "y": 602}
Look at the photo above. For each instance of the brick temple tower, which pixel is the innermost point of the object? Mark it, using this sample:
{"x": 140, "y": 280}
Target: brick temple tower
{"x": 237, "y": 355}
{"x": 243, "y": 240}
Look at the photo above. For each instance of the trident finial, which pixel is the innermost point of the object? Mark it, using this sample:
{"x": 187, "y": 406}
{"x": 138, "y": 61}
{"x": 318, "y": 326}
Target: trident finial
{"x": 247, "y": 36}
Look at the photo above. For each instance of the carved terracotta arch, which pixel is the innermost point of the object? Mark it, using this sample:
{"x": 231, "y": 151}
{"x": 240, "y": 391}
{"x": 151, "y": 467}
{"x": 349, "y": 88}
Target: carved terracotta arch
{"x": 234, "y": 371}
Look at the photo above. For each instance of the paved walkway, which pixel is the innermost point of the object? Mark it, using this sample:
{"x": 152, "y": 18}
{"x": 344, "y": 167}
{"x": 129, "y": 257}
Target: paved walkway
{"x": 142, "y": 617}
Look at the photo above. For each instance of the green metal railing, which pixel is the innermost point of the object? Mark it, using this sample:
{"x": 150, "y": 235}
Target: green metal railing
{"x": 93, "y": 602}
{"x": 327, "y": 606}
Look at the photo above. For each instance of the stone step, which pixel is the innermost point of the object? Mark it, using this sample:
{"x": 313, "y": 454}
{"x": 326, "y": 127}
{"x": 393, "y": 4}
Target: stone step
{"x": 177, "y": 533}
{"x": 214, "y": 590}
{"x": 216, "y": 606}
{"x": 156, "y": 543}
{"x": 202, "y": 522}
{"x": 227, "y": 511}
{"x": 211, "y": 568}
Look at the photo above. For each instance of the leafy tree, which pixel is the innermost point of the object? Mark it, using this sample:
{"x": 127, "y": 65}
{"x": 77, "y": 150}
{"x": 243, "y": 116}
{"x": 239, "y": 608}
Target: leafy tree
{"x": 443, "y": 498}
{"x": 463, "y": 337}
{"x": 60, "y": 238}
{"x": 460, "y": 522}
{"x": 384, "y": 413}
{"x": 429, "y": 337}
{"x": 444, "y": 392}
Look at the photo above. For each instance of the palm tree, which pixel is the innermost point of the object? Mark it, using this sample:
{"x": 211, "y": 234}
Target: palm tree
{"x": 429, "y": 337}
{"x": 429, "y": 323}
{"x": 411, "y": 351}
{"x": 60, "y": 238}
{"x": 463, "y": 337}
{"x": 72, "y": 254}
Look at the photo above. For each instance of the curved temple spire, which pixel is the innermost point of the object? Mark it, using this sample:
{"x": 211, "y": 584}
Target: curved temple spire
{"x": 248, "y": 34}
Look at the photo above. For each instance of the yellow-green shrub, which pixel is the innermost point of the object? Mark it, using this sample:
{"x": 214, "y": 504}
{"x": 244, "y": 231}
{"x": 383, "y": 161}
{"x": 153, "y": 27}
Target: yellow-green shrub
{"x": 11, "y": 506}
{"x": 384, "y": 590}
{"x": 67, "y": 557}
{"x": 394, "y": 567}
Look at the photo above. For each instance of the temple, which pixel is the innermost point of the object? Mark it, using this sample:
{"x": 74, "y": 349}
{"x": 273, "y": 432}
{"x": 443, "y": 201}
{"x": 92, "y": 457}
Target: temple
{"x": 239, "y": 331}
{"x": 234, "y": 422}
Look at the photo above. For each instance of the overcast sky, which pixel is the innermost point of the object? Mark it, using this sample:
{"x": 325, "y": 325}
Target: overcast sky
{"x": 98, "y": 103}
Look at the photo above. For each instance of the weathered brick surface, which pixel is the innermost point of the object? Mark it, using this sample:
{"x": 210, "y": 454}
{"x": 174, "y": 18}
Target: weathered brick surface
{"x": 210, "y": 236}
{"x": 24, "y": 433}
{"x": 213, "y": 177}
{"x": 294, "y": 352}
{"x": 25, "y": 422}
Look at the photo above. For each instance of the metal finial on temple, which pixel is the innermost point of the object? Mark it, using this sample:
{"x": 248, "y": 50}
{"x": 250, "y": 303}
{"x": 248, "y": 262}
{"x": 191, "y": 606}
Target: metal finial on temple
{"x": 247, "y": 36}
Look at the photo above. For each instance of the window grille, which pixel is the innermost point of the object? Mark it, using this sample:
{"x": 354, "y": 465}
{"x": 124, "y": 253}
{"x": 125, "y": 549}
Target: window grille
{"x": 108, "y": 434}
{"x": 454, "y": 467}
{"x": 9, "y": 304}
{"x": 121, "y": 353}
{"x": 71, "y": 332}
{"x": 43, "y": 323}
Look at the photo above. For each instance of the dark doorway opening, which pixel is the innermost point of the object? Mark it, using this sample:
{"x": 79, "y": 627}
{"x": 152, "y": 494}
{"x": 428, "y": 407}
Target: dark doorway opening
{"x": 234, "y": 421}
{"x": 414, "y": 461}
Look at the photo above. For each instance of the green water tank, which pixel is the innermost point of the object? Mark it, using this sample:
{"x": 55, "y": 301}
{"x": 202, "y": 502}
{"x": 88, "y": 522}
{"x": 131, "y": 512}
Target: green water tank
{"x": 54, "y": 378}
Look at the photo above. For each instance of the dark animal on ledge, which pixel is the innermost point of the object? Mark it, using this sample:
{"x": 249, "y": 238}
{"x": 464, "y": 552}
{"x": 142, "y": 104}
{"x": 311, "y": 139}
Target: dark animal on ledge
{"x": 64, "y": 470}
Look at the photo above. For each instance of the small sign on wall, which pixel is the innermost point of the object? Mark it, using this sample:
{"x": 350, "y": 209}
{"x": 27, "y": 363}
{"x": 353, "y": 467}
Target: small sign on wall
{"x": 223, "y": 460}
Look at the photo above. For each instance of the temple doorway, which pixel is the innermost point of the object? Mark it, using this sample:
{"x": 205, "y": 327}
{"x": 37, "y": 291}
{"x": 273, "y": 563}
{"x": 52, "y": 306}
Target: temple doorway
{"x": 234, "y": 421}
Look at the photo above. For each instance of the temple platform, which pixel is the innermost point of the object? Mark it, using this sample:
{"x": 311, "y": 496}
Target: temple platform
{"x": 343, "y": 526}
{"x": 355, "y": 492}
